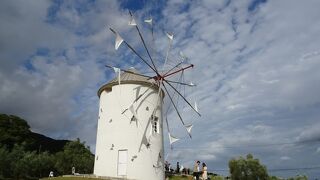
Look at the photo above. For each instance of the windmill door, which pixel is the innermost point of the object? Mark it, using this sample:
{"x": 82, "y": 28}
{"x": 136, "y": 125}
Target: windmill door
{"x": 122, "y": 162}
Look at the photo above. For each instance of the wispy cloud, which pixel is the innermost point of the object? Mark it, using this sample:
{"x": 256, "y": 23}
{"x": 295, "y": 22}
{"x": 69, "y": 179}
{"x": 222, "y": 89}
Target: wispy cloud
{"x": 256, "y": 69}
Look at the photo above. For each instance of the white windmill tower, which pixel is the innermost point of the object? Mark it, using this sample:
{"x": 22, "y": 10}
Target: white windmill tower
{"x": 129, "y": 137}
{"x": 130, "y": 126}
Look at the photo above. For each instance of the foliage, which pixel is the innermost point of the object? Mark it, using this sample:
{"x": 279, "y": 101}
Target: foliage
{"x": 27, "y": 155}
{"x": 247, "y": 169}
{"x": 13, "y": 130}
{"x": 299, "y": 177}
{"x": 75, "y": 154}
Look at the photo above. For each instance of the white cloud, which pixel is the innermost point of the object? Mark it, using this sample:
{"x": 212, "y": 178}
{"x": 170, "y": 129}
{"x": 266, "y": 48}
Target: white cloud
{"x": 256, "y": 78}
{"x": 55, "y": 91}
{"x": 285, "y": 158}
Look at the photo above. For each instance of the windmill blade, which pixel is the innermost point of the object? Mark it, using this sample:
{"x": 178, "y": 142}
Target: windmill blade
{"x": 132, "y": 22}
{"x": 118, "y": 40}
{"x": 181, "y": 96}
{"x": 136, "y": 53}
{"x": 172, "y": 139}
{"x": 189, "y": 128}
{"x": 133, "y": 50}
{"x": 145, "y": 46}
{"x": 191, "y": 84}
{"x": 168, "y": 50}
{"x": 172, "y": 68}
{"x": 196, "y": 107}
{"x": 181, "y": 83}
{"x": 130, "y": 72}
{"x": 118, "y": 72}
{"x": 183, "y": 56}
{"x": 179, "y": 70}
{"x": 170, "y": 36}
{"x": 150, "y": 22}
{"x": 174, "y": 105}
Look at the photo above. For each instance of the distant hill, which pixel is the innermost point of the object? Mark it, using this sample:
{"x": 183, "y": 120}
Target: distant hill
{"x": 16, "y": 131}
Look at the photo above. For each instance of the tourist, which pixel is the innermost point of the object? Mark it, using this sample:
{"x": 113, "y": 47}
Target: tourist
{"x": 166, "y": 166}
{"x": 196, "y": 170}
{"x": 178, "y": 168}
{"x": 51, "y": 174}
{"x": 204, "y": 171}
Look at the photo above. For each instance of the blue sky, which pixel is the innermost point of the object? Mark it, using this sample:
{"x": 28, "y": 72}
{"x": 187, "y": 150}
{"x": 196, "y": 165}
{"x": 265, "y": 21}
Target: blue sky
{"x": 256, "y": 68}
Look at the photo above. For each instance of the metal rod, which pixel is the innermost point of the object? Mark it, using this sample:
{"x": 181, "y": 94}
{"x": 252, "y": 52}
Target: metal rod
{"x": 135, "y": 52}
{"x": 140, "y": 57}
{"x": 144, "y": 44}
{"x": 181, "y": 96}
{"x": 174, "y": 105}
{"x": 173, "y": 68}
{"x": 176, "y": 82}
{"x": 130, "y": 72}
{"x": 182, "y": 69}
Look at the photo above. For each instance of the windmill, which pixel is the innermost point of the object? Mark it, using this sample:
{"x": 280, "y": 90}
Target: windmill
{"x": 130, "y": 125}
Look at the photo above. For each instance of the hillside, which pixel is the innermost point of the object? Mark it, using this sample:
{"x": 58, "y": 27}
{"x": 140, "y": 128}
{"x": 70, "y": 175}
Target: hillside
{"x": 16, "y": 131}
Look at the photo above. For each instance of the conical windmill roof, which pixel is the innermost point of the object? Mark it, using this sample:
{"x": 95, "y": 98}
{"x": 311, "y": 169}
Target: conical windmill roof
{"x": 129, "y": 78}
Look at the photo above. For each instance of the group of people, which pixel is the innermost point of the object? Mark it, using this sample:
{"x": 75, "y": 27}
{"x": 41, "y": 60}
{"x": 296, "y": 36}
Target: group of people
{"x": 200, "y": 173}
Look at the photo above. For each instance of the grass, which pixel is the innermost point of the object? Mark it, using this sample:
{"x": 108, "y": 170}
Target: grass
{"x": 71, "y": 178}
{"x": 181, "y": 178}
{"x": 171, "y": 178}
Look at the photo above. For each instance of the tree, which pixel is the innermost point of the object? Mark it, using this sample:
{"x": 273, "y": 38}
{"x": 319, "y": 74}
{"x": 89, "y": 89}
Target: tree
{"x": 299, "y": 177}
{"x": 247, "y": 169}
{"x": 4, "y": 161}
{"x": 75, "y": 154}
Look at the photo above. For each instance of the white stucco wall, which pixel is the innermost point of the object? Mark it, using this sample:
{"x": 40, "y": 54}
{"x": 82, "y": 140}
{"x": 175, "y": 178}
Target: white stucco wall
{"x": 116, "y": 132}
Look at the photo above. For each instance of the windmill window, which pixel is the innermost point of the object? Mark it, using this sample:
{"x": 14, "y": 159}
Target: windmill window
{"x": 155, "y": 124}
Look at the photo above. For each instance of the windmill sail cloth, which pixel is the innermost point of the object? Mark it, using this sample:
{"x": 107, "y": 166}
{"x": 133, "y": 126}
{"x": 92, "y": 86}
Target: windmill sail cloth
{"x": 132, "y": 22}
{"x": 189, "y": 127}
{"x": 149, "y": 21}
{"x": 172, "y": 139}
{"x": 118, "y": 41}
{"x": 118, "y": 72}
{"x": 183, "y": 57}
{"x": 170, "y": 36}
{"x": 196, "y": 107}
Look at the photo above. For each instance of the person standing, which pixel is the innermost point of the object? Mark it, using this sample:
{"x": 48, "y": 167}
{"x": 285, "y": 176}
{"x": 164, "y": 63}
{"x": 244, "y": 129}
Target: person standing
{"x": 51, "y": 174}
{"x": 204, "y": 171}
{"x": 196, "y": 170}
{"x": 178, "y": 168}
